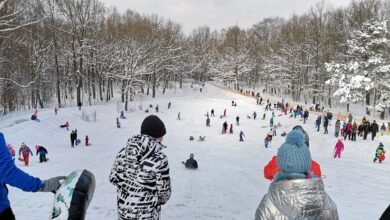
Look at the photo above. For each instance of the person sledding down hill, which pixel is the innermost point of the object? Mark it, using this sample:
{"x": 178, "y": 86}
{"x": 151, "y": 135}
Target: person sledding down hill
{"x": 191, "y": 163}
{"x": 66, "y": 125}
{"x": 380, "y": 153}
{"x": 271, "y": 169}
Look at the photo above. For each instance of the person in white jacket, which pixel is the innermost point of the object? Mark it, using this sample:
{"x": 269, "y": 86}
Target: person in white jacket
{"x": 295, "y": 192}
{"x": 141, "y": 173}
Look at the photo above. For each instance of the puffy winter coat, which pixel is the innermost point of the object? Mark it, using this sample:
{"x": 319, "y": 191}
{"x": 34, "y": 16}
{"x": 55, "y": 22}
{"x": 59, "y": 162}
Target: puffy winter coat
{"x": 141, "y": 174}
{"x": 191, "y": 164}
{"x": 374, "y": 127}
{"x": 297, "y": 199}
{"x": 10, "y": 174}
{"x": 24, "y": 150}
{"x": 41, "y": 150}
{"x": 271, "y": 169}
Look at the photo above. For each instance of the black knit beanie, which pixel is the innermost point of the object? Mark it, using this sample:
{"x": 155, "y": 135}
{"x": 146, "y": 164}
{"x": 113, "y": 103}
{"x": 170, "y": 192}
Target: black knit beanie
{"x": 153, "y": 126}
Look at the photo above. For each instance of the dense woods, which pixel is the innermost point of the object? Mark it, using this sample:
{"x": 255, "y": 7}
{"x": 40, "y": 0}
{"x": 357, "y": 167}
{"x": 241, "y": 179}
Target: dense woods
{"x": 64, "y": 52}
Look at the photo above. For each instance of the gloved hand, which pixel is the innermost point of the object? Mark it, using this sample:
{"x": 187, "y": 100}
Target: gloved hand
{"x": 52, "y": 184}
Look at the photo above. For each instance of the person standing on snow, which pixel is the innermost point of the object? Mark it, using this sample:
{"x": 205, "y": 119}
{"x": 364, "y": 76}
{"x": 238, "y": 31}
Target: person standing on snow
{"x": 383, "y": 128}
{"x": 318, "y": 123}
{"x": 118, "y": 123}
{"x": 25, "y": 151}
{"x": 354, "y": 131}
{"x": 224, "y": 113}
{"x": 337, "y": 128}
{"x": 374, "y": 129}
{"x": 11, "y": 175}
{"x": 237, "y": 120}
{"x": 242, "y": 136}
{"x": 274, "y": 130}
{"x": 267, "y": 141}
{"x": 208, "y": 122}
{"x": 295, "y": 192}
{"x": 72, "y": 138}
{"x": 141, "y": 173}
{"x": 305, "y": 116}
{"x": 326, "y": 123}
{"x": 212, "y": 113}
{"x": 271, "y": 169}
{"x": 224, "y": 127}
{"x": 231, "y": 129}
{"x": 271, "y": 122}
{"x": 254, "y": 115}
{"x": 178, "y": 116}
{"x": 169, "y": 105}
{"x": 338, "y": 148}
{"x": 42, "y": 153}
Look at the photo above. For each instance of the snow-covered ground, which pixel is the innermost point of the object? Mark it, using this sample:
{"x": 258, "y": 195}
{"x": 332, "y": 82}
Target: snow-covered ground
{"x": 229, "y": 183}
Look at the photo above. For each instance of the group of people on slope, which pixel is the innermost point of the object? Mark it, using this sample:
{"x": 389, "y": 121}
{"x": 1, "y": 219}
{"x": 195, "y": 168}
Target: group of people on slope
{"x": 25, "y": 152}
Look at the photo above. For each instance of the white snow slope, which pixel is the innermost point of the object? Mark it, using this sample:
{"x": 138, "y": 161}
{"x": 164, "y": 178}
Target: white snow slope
{"x": 229, "y": 183}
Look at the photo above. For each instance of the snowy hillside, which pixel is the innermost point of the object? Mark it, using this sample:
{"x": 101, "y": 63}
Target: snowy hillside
{"x": 229, "y": 183}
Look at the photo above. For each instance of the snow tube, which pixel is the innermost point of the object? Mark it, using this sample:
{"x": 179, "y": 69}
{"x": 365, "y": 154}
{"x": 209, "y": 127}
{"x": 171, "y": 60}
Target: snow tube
{"x": 73, "y": 197}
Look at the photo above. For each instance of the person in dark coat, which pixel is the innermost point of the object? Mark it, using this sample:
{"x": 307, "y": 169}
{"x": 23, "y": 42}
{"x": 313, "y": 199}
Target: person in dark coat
{"x": 224, "y": 128}
{"x": 79, "y": 105}
{"x": 191, "y": 163}
{"x": 42, "y": 153}
{"x": 318, "y": 123}
{"x": 305, "y": 116}
{"x": 118, "y": 123}
{"x": 326, "y": 123}
{"x": 208, "y": 122}
{"x": 374, "y": 129}
{"x": 366, "y": 128}
{"x": 212, "y": 113}
{"x": 237, "y": 120}
{"x": 72, "y": 138}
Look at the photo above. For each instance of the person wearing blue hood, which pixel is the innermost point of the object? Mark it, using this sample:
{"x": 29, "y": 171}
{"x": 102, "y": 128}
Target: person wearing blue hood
{"x": 295, "y": 192}
{"x": 13, "y": 176}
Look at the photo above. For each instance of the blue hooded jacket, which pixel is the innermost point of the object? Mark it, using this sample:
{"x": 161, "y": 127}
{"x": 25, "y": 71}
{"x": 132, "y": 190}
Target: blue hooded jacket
{"x": 10, "y": 174}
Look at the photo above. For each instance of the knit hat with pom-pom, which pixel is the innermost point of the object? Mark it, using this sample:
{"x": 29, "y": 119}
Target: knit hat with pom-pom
{"x": 294, "y": 156}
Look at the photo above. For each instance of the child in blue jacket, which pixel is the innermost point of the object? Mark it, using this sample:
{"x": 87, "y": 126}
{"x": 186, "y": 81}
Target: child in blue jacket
{"x": 13, "y": 176}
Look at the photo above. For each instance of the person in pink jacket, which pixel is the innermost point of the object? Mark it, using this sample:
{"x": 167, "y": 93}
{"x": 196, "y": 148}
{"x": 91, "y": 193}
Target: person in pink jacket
{"x": 338, "y": 149}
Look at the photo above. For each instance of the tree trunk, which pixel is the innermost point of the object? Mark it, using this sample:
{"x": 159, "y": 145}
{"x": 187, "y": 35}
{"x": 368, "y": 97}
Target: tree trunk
{"x": 367, "y": 103}
{"x": 154, "y": 84}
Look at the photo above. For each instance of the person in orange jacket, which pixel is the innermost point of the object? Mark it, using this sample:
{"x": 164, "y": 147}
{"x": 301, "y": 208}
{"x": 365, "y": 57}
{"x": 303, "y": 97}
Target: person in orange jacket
{"x": 271, "y": 169}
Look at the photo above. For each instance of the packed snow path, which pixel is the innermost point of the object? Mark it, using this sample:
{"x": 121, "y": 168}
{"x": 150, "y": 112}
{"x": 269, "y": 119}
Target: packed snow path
{"x": 229, "y": 183}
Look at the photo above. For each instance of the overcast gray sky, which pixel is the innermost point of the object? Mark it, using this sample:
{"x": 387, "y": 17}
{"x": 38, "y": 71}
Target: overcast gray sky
{"x": 218, "y": 14}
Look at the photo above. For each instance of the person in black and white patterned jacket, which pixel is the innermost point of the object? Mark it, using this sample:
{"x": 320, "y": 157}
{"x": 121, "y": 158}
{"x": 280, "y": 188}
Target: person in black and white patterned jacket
{"x": 141, "y": 173}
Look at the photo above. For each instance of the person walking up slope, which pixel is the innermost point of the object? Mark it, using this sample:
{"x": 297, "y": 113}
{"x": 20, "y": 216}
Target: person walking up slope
{"x": 25, "y": 151}
{"x": 242, "y": 136}
{"x": 338, "y": 148}
{"x": 141, "y": 173}
{"x": 295, "y": 192}
{"x": 42, "y": 153}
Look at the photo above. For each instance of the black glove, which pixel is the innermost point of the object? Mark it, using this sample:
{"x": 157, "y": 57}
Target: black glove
{"x": 52, "y": 184}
